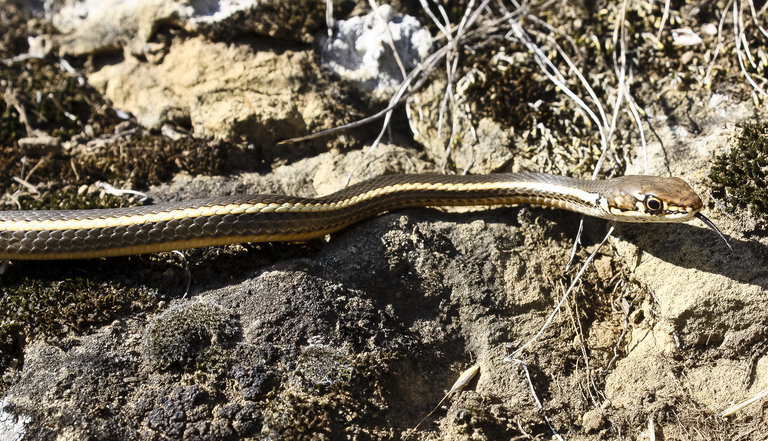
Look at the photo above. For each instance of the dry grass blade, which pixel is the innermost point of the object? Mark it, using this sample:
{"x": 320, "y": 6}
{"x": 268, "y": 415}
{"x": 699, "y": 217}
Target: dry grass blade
{"x": 420, "y": 74}
{"x": 464, "y": 379}
{"x": 329, "y": 21}
{"x": 535, "y": 396}
{"x": 620, "y": 66}
{"x": 737, "y": 407}
{"x": 26, "y": 184}
{"x": 754, "y": 17}
{"x": 575, "y": 70}
{"x": 739, "y": 40}
{"x": 559, "y": 305}
{"x": 396, "y": 99}
{"x": 390, "y": 40}
{"x": 554, "y": 75}
{"x": 664, "y": 17}
{"x": 633, "y": 109}
{"x": 719, "y": 46}
{"x": 624, "y": 327}
{"x": 444, "y": 52}
{"x": 651, "y": 429}
{"x": 449, "y": 103}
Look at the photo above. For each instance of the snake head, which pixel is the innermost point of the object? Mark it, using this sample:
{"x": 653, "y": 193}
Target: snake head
{"x": 651, "y": 199}
{"x": 656, "y": 199}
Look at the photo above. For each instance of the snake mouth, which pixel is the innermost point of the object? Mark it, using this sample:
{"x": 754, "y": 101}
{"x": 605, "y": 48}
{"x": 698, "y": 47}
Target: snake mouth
{"x": 712, "y": 225}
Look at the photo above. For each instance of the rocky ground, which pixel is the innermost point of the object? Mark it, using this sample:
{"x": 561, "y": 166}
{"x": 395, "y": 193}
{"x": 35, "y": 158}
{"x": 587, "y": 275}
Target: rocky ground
{"x": 360, "y": 335}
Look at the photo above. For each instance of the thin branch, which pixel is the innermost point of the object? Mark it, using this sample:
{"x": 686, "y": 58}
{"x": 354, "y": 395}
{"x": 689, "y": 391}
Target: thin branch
{"x": 664, "y": 17}
{"x": 554, "y": 312}
{"x": 536, "y": 397}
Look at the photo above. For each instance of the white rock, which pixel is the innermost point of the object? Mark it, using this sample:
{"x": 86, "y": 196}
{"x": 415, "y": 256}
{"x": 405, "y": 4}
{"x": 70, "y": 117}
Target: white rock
{"x": 12, "y": 426}
{"x": 211, "y": 11}
{"x": 685, "y": 37}
{"x": 359, "y": 49}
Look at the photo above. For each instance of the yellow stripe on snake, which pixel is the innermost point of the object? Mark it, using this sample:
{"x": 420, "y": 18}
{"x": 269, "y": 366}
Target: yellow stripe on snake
{"x": 79, "y": 234}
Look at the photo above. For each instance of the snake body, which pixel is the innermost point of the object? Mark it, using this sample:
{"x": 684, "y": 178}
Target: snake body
{"x": 80, "y": 234}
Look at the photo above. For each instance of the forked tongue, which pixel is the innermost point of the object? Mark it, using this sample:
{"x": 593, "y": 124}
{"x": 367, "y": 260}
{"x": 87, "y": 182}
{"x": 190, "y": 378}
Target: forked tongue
{"x": 711, "y": 225}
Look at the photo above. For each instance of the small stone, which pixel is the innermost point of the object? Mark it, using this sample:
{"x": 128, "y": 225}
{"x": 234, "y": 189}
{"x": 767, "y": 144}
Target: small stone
{"x": 592, "y": 421}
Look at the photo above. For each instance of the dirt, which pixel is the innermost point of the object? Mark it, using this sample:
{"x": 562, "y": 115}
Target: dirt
{"x": 361, "y": 334}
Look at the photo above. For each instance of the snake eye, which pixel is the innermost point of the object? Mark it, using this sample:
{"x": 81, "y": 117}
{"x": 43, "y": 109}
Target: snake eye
{"x": 653, "y": 204}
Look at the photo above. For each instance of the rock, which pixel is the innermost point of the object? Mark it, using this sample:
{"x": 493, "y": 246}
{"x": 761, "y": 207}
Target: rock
{"x": 359, "y": 49}
{"x": 224, "y": 91}
{"x": 708, "y": 297}
{"x": 476, "y": 149}
{"x": 360, "y": 334}
{"x": 12, "y": 426}
{"x": 93, "y": 26}
{"x": 295, "y": 21}
{"x": 592, "y": 421}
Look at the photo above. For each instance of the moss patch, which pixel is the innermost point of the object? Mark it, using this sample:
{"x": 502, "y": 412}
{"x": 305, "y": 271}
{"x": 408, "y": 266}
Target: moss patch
{"x": 135, "y": 161}
{"x": 33, "y": 306}
{"x": 184, "y": 333}
{"x": 69, "y": 199}
{"x": 329, "y": 391}
{"x": 58, "y": 133}
{"x": 740, "y": 177}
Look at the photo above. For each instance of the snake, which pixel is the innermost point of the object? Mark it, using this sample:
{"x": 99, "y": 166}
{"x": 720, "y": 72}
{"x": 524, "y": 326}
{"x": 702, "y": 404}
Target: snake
{"x": 94, "y": 233}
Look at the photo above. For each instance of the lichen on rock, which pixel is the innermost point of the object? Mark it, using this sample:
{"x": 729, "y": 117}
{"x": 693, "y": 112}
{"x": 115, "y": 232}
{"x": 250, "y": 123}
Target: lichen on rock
{"x": 179, "y": 336}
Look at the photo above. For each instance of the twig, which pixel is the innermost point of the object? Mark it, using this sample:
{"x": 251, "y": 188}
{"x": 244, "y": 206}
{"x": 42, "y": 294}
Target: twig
{"x": 26, "y": 184}
{"x": 535, "y": 397}
{"x": 664, "y": 17}
{"x": 563, "y": 299}
{"x": 737, "y": 407}
{"x": 390, "y": 38}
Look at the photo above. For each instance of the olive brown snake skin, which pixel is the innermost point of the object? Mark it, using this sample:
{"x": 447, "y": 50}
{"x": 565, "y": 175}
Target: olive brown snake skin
{"x": 80, "y": 234}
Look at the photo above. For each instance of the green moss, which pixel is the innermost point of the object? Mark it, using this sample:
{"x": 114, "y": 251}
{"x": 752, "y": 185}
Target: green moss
{"x": 183, "y": 334}
{"x": 32, "y": 307}
{"x": 150, "y": 159}
{"x": 69, "y": 199}
{"x": 50, "y": 307}
{"x": 11, "y": 127}
{"x": 329, "y": 390}
{"x": 51, "y": 100}
{"x": 740, "y": 177}
{"x": 36, "y": 96}
{"x": 322, "y": 369}
{"x": 134, "y": 162}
